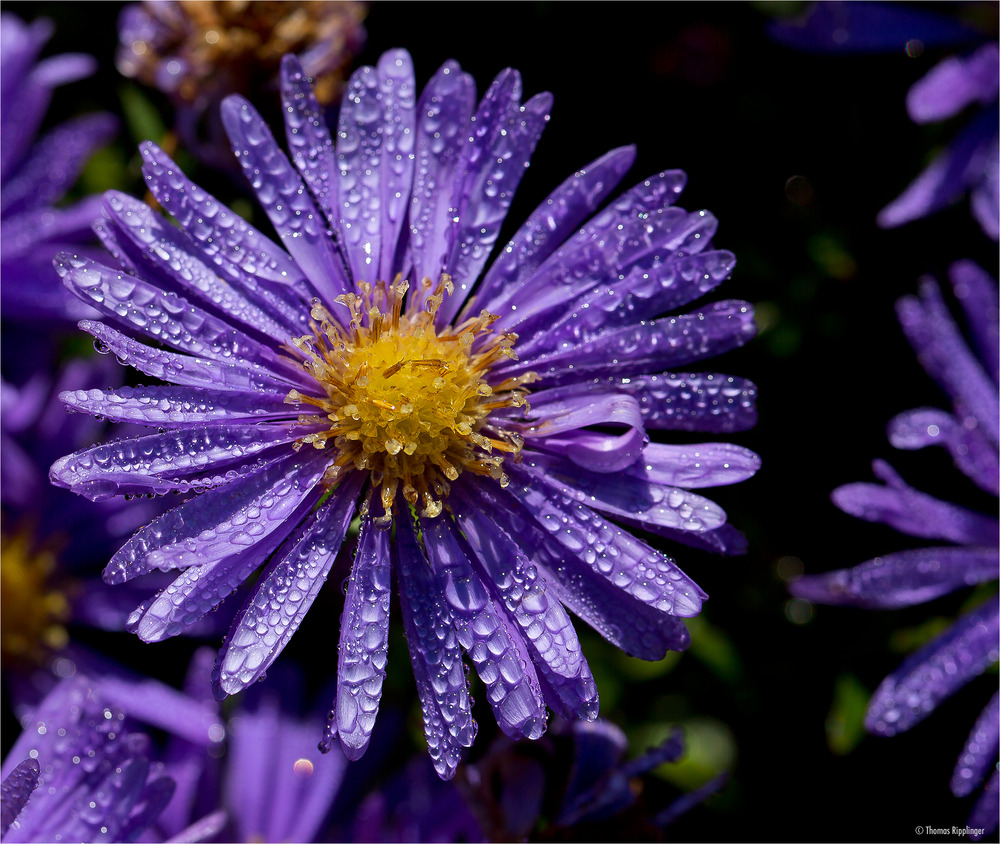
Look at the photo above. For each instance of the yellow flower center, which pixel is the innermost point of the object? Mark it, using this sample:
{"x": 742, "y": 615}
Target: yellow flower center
{"x": 32, "y": 613}
{"x": 404, "y": 401}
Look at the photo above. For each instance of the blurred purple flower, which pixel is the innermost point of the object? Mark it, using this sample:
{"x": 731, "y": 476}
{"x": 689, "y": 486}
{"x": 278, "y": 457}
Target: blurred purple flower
{"x": 577, "y": 779}
{"x": 199, "y": 52}
{"x": 971, "y": 161}
{"x": 78, "y": 773}
{"x": 36, "y": 173}
{"x": 309, "y": 380}
{"x": 904, "y": 578}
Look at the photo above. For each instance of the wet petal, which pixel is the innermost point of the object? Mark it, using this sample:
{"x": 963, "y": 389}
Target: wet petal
{"x": 284, "y": 197}
{"x": 547, "y": 630}
{"x": 912, "y": 512}
{"x": 364, "y": 641}
{"x": 980, "y": 751}
{"x": 284, "y": 593}
{"x": 934, "y": 672}
{"x": 220, "y": 522}
{"x": 435, "y": 655}
{"x": 16, "y": 791}
{"x": 901, "y": 579}
{"x": 493, "y": 644}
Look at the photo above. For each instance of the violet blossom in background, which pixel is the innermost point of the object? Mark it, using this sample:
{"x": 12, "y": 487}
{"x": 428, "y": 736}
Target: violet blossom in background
{"x": 54, "y": 544}
{"x": 575, "y": 784}
{"x": 375, "y": 370}
{"x": 79, "y": 773}
{"x": 36, "y": 172}
{"x": 969, "y": 376}
{"x": 970, "y": 164}
{"x": 197, "y": 53}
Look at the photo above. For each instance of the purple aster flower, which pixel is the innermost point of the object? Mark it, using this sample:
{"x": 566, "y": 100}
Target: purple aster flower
{"x": 970, "y": 433}
{"x": 199, "y": 52}
{"x": 77, "y": 772}
{"x": 36, "y": 173}
{"x": 493, "y": 417}
{"x": 970, "y": 164}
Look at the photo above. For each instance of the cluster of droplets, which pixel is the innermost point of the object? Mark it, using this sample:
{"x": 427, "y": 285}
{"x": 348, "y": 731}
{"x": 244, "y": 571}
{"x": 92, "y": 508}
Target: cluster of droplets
{"x": 404, "y": 400}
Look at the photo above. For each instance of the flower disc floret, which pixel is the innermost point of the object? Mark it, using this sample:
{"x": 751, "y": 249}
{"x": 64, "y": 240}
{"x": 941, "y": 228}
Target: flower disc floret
{"x": 407, "y": 402}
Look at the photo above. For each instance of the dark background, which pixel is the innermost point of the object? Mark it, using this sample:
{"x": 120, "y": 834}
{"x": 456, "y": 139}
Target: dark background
{"x": 703, "y": 88}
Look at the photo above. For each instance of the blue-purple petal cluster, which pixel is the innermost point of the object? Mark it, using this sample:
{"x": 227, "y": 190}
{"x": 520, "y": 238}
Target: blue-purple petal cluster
{"x": 968, "y": 373}
{"x": 501, "y": 524}
{"x": 78, "y": 774}
{"x": 35, "y": 173}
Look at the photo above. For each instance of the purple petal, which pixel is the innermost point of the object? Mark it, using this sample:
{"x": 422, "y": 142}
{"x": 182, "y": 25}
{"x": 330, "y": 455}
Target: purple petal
{"x": 980, "y": 751}
{"x": 166, "y": 258}
{"x": 629, "y": 494}
{"x": 549, "y": 225}
{"x": 284, "y": 593}
{"x": 934, "y": 672}
{"x": 953, "y": 84}
{"x": 435, "y": 655}
{"x": 649, "y": 288}
{"x": 912, "y": 512}
{"x": 224, "y": 520}
{"x": 55, "y": 163}
{"x": 946, "y": 357}
{"x": 845, "y": 27}
{"x": 443, "y": 115}
{"x": 547, "y": 630}
{"x": 308, "y": 136}
{"x": 972, "y": 452}
{"x": 500, "y": 144}
{"x": 495, "y": 647}
{"x": 168, "y": 318}
{"x": 711, "y": 402}
{"x": 984, "y": 198}
{"x": 284, "y": 197}
{"x": 236, "y": 375}
{"x": 697, "y": 465}
{"x": 649, "y": 347}
{"x": 984, "y": 814}
{"x": 364, "y": 641}
{"x": 616, "y": 237}
{"x": 225, "y": 239}
{"x": 16, "y": 791}
{"x": 626, "y": 561}
{"x": 374, "y": 147}
{"x": 274, "y": 796}
{"x": 172, "y": 407}
{"x": 976, "y": 290}
{"x": 635, "y": 627}
{"x": 138, "y": 465}
{"x": 201, "y": 588}
{"x": 901, "y": 579}
{"x": 963, "y": 164}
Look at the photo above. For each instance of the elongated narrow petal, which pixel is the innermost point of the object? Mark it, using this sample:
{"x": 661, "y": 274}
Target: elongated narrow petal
{"x": 548, "y": 632}
{"x": 913, "y": 512}
{"x": 284, "y": 593}
{"x": 980, "y": 751}
{"x": 280, "y": 190}
{"x": 934, "y": 672}
{"x": 175, "y": 406}
{"x": 902, "y": 578}
{"x": 510, "y": 679}
{"x": 16, "y": 791}
{"x": 364, "y": 641}
{"x": 435, "y": 655}
{"x": 225, "y": 520}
